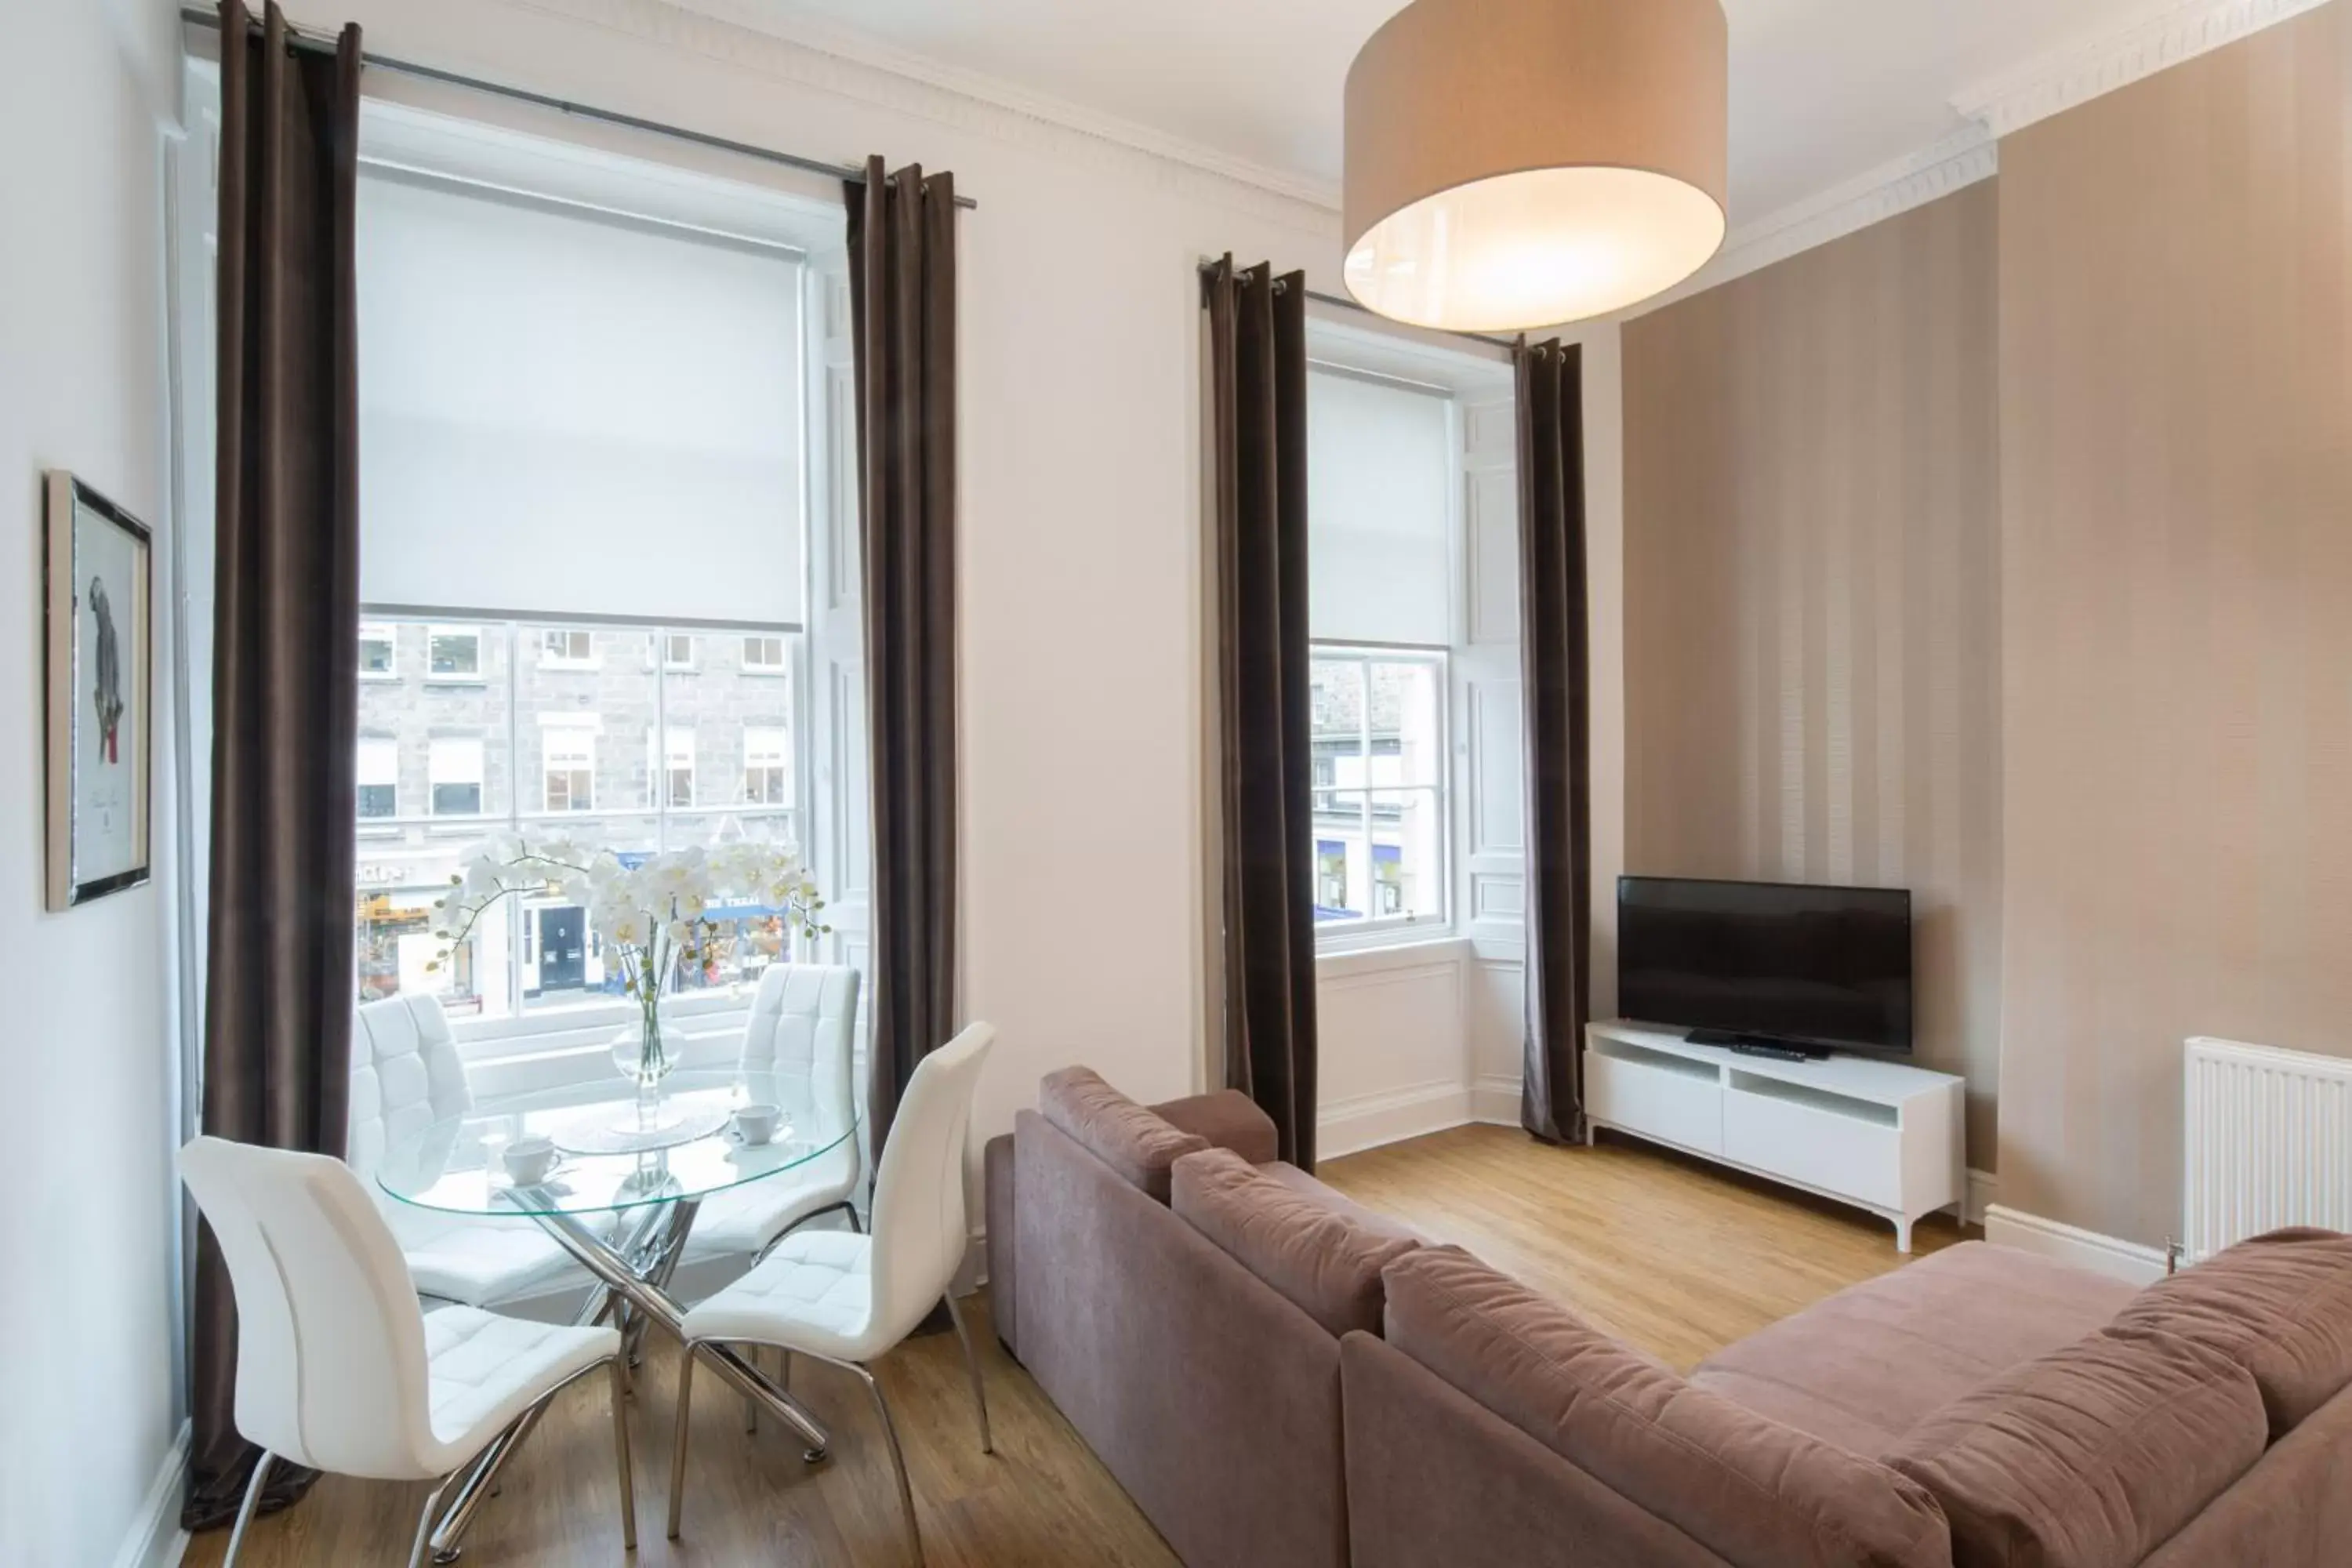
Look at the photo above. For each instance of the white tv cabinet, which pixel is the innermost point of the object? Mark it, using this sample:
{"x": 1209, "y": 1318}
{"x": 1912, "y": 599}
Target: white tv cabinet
{"x": 1880, "y": 1135}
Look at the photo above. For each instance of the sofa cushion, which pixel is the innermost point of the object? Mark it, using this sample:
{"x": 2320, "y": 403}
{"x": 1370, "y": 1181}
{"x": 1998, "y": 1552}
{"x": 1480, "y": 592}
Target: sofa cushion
{"x": 2091, "y": 1457}
{"x": 2280, "y": 1306}
{"x": 1115, "y": 1130}
{"x": 1339, "y": 1203}
{"x": 1759, "y": 1493}
{"x": 1870, "y": 1362}
{"x": 1311, "y": 1251}
{"x": 1228, "y": 1119}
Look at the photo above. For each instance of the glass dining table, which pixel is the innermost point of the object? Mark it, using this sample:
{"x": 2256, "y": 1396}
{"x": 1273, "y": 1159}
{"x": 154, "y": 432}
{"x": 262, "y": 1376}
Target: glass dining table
{"x": 630, "y": 1176}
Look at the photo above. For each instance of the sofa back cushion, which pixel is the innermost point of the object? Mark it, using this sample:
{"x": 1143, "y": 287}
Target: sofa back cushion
{"x": 1131, "y": 1140}
{"x": 2280, "y": 1306}
{"x": 2091, "y": 1457}
{"x": 1316, "y": 1254}
{"x": 1758, "y": 1493}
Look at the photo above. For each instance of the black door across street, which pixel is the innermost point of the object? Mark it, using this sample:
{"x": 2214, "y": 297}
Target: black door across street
{"x": 562, "y": 948}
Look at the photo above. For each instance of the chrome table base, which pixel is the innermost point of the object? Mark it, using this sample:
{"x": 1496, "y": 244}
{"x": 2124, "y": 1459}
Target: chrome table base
{"x": 633, "y": 1268}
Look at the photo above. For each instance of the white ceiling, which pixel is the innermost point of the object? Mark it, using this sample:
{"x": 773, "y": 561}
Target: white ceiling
{"x": 1823, "y": 92}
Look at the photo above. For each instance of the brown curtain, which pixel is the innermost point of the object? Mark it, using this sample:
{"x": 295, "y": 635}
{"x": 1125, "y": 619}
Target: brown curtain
{"x": 902, "y": 302}
{"x": 279, "y": 989}
{"x": 1257, "y": 371}
{"x": 1553, "y": 657}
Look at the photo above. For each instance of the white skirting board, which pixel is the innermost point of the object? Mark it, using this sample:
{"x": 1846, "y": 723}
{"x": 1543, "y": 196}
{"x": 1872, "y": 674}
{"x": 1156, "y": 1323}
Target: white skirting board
{"x": 2126, "y": 1261}
{"x": 1367, "y": 1121}
{"x": 155, "y": 1539}
{"x": 1495, "y": 1101}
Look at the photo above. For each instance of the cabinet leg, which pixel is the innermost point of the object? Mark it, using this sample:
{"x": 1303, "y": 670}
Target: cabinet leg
{"x": 1902, "y": 1235}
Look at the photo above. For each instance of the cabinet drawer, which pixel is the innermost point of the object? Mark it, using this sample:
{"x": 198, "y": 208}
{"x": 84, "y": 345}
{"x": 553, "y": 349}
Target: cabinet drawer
{"x": 1669, "y": 1103}
{"x": 1857, "y": 1156}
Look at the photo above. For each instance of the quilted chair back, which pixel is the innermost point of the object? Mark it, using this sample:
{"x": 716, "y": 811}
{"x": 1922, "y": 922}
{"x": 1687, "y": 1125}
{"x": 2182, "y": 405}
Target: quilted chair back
{"x": 918, "y": 1199}
{"x": 803, "y": 1030}
{"x": 332, "y": 1369}
{"x": 405, "y": 1076}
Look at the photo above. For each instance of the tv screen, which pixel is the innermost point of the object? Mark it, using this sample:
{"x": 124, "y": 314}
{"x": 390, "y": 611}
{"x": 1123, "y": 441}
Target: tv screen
{"x": 1766, "y": 961}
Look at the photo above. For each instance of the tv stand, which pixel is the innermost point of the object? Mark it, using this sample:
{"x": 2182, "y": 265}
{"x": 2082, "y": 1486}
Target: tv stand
{"x": 1884, "y": 1136}
{"x": 1768, "y": 1045}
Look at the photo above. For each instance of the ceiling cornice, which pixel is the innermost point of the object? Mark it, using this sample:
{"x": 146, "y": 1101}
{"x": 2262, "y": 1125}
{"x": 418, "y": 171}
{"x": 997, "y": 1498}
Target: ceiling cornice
{"x": 2060, "y": 80}
{"x": 1957, "y": 162}
{"x": 1011, "y": 99}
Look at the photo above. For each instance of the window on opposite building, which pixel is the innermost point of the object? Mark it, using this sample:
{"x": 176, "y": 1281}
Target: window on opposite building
{"x": 379, "y": 651}
{"x": 767, "y": 765}
{"x": 568, "y": 757}
{"x": 378, "y": 778}
{"x": 454, "y": 774}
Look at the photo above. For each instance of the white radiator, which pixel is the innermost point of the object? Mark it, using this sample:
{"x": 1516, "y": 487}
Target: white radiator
{"x": 2269, "y": 1143}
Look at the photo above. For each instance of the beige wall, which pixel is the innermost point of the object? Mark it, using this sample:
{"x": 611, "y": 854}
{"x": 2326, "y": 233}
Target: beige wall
{"x": 1812, "y": 596}
{"x": 2177, "y": 500}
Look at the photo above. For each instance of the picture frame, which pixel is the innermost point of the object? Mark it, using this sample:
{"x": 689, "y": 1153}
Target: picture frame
{"x": 99, "y": 655}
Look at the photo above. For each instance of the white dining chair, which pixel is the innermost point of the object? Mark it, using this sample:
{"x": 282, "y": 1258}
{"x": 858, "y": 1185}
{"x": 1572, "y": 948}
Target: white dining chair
{"x": 798, "y": 1045}
{"x": 338, "y": 1368}
{"x": 847, "y": 1298}
{"x": 405, "y": 1076}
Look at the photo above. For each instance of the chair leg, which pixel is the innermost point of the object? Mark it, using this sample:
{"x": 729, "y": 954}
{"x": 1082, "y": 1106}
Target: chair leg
{"x": 678, "y": 1442}
{"x": 621, "y": 1449}
{"x": 424, "y": 1519}
{"x": 972, "y": 1366}
{"x": 244, "y": 1510}
{"x": 898, "y": 1463}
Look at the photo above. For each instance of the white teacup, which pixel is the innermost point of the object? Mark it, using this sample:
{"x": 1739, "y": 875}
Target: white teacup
{"x": 758, "y": 1124}
{"x": 531, "y": 1161}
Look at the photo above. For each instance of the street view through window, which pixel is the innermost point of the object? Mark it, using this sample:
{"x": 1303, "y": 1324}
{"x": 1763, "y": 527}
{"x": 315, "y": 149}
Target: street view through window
{"x": 632, "y": 739}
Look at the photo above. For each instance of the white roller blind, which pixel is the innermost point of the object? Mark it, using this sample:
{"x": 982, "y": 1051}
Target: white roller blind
{"x": 1378, "y": 473}
{"x": 565, "y": 413}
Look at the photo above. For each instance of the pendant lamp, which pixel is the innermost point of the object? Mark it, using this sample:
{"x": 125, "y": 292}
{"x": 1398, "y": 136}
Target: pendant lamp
{"x": 1514, "y": 163}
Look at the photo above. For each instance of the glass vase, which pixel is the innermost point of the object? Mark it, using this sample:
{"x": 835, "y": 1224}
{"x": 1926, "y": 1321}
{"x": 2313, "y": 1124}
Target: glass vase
{"x": 642, "y": 1050}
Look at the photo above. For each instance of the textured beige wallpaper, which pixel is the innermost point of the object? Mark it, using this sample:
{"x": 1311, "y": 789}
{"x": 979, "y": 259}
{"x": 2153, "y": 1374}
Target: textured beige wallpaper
{"x": 2176, "y": 288}
{"x": 1813, "y": 589}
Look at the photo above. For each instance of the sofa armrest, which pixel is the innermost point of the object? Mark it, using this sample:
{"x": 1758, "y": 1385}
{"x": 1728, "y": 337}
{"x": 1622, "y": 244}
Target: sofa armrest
{"x": 1228, "y": 1119}
{"x": 1002, "y": 1294}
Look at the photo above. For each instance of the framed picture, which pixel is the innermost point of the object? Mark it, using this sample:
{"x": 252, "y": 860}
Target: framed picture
{"x": 100, "y": 658}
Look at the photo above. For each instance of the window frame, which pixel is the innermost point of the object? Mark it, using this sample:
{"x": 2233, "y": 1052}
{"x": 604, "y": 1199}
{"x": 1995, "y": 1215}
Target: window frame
{"x": 1375, "y": 930}
{"x": 433, "y": 782}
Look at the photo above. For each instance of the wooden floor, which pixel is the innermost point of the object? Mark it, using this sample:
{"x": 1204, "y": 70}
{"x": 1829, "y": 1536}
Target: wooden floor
{"x": 1676, "y": 1257}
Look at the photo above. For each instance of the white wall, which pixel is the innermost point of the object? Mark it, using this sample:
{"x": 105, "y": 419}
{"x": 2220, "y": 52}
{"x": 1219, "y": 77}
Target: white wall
{"x": 88, "y": 1394}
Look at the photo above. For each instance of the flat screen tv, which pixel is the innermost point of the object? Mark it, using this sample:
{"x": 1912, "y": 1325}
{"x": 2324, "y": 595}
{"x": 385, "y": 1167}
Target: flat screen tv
{"x": 1768, "y": 965}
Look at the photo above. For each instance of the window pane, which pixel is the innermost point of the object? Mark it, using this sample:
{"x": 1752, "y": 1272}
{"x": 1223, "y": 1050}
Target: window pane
{"x": 396, "y": 947}
{"x": 1407, "y": 854}
{"x": 1336, "y": 707}
{"x": 615, "y": 753}
{"x": 1342, "y": 867}
{"x": 1408, "y": 736}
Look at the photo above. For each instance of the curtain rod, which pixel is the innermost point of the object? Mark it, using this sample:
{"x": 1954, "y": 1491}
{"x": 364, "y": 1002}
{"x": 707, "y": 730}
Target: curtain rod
{"x": 314, "y": 44}
{"x": 1344, "y": 304}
